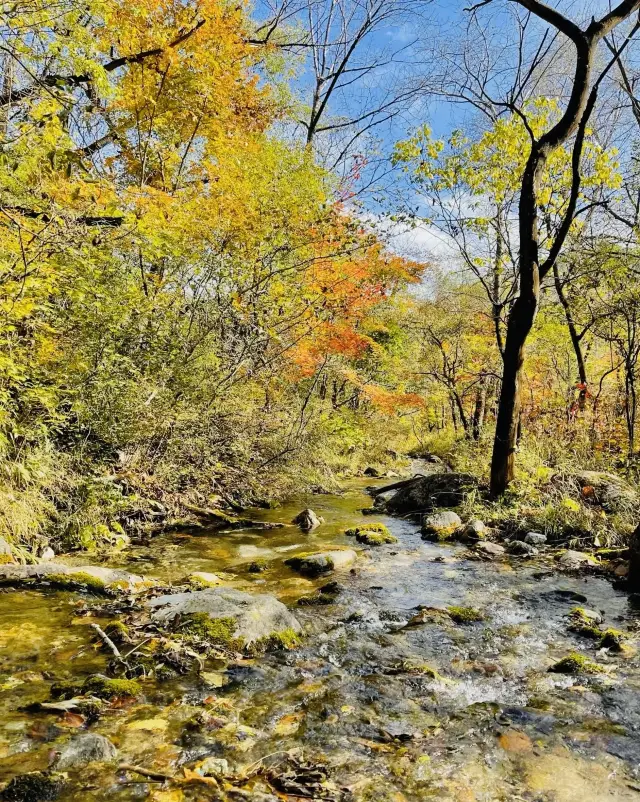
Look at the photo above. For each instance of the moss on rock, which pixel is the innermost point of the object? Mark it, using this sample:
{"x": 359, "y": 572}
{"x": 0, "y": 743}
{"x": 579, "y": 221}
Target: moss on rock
{"x": 214, "y": 631}
{"x": 371, "y": 538}
{"x": 105, "y": 688}
{"x": 465, "y": 615}
{"x": 584, "y": 622}
{"x": 79, "y": 580}
{"x": 575, "y": 663}
{"x": 613, "y": 639}
{"x": 369, "y": 527}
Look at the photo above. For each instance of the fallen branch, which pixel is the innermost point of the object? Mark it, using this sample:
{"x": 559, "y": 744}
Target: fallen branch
{"x": 152, "y": 775}
{"x": 107, "y": 641}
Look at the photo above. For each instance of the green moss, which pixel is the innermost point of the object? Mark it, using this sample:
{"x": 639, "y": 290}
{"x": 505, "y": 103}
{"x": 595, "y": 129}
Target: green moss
{"x": 319, "y": 599}
{"x": 443, "y": 535}
{"x": 613, "y": 639}
{"x": 370, "y": 527}
{"x": 38, "y": 786}
{"x": 582, "y": 622}
{"x": 118, "y": 632}
{"x": 375, "y": 538}
{"x": 465, "y": 615}
{"x": 76, "y": 581}
{"x": 575, "y": 663}
{"x": 105, "y": 688}
{"x": 286, "y": 639}
{"x": 199, "y": 583}
{"x": 215, "y": 631}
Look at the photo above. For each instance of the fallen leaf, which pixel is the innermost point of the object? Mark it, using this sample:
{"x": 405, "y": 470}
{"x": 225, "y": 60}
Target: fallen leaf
{"x": 154, "y": 724}
{"x": 72, "y": 720}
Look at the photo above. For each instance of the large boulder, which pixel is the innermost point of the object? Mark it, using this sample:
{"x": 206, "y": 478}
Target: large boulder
{"x": 307, "y": 520}
{"x": 424, "y": 493}
{"x": 88, "y": 747}
{"x": 322, "y": 562}
{"x": 257, "y": 616}
{"x": 441, "y": 525}
{"x": 611, "y": 492}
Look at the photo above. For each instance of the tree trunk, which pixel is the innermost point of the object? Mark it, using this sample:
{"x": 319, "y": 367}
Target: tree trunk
{"x": 521, "y": 319}
{"x": 576, "y": 341}
{"x": 634, "y": 562}
{"x": 480, "y": 409}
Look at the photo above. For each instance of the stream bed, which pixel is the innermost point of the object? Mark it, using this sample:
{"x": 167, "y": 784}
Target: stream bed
{"x": 443, "y": 711}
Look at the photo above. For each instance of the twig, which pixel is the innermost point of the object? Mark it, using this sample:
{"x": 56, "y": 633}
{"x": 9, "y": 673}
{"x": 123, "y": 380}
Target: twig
{"x": 107, "y": 640}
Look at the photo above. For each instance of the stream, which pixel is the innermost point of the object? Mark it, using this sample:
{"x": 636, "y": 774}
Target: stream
{"x": 443, "y": 711}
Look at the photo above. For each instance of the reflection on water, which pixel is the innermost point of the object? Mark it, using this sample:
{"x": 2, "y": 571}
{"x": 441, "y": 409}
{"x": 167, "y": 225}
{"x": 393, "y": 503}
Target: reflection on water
{"x": 436, "y": 711}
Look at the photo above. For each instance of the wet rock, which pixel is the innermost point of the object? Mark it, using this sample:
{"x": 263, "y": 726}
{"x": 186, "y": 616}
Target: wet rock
{"x": 257, "y": 616}
{"x": 203, "y": 579}
{"x": 562, "y": 594}
{"x": 490, "y": 549}
{"x": 535, "y": 538}
{"x": 474, "y": 531}
{"x": 521, "y": 549}
{"x": 38, "y": 786}
{"x": 307, "y": 520}
{"x": 213, "y": 767}
{"x": 441, "y": 525}
{"x": 322, "y": 562}
{"x": 91, "y": 577}
{"x": 575, "y": 559}
{"x": 86, "y": 748}
{"x": 370, "y": 537}
{"x": 427, "y": 492}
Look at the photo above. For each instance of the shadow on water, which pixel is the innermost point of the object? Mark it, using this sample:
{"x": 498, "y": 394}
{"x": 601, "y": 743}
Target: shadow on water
{"x": 439, "y": 710}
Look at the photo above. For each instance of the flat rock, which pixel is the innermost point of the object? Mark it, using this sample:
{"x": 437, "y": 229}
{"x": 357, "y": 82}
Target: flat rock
{"x": 257, "y": 615}
{"x": 322, "y": 562}
{"x": 429, "y": 492}
{"x": 10, "y": 574}
{"x": 88, "y": 747}
{"x": 490, "y": 549}
{"x": 575, "y": 559}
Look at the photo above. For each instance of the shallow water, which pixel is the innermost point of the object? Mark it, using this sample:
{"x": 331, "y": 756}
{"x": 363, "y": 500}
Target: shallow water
{"x": 491, "y": 724}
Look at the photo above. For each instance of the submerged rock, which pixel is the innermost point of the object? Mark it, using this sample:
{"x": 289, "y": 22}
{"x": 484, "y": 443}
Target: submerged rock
{"x": 38, "y": 786}
{"x": 255, "y": 616}
{"x": 86, "y": 748}
{"x": 322, "y": 562}
{"x": 425, "y": 493}
{"x": 441, "y": 525}
{"x": 307, "y": 520}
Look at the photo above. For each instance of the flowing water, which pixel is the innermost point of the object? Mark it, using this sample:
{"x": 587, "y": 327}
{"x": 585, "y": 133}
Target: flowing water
{"x": 436, "y": 711}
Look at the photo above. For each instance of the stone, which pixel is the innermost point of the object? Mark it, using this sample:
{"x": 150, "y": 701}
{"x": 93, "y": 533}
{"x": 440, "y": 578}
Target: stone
{"x": 6, "y": 552}
{"x": 37, "y": 786}
{"x": 474, "y": 531}
{"x": 429, "y": 492}
{"x": 203, "y": 578}
{"x": 535, "y": 538}
{"x": 490, "y": 549}
{"x": 308, "y": 520}
{"x": 322, "y": 562}
{"x": 96, "y": 576}
{"x": 441, "y": 525}
{"x": 575, "y": 559}
{"x": 257, "y": 616}
{"x": 373, "y": 472}
{"x": 47, "y": 555}
{"x": 521, "y": 549}
{"x": 214, "y": 767}
{"x": 85, "y": 748}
